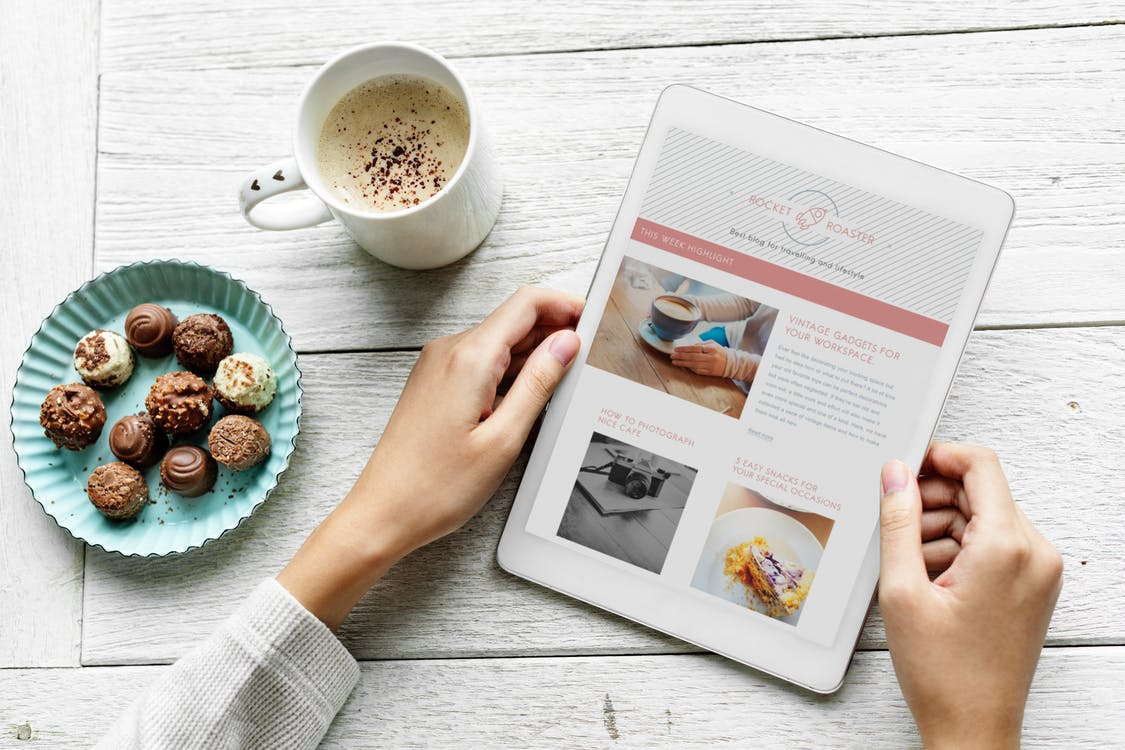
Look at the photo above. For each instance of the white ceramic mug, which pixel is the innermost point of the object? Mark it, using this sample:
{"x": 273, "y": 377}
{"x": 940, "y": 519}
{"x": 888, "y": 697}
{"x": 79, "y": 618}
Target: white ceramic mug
{"x": 439, "y": 230}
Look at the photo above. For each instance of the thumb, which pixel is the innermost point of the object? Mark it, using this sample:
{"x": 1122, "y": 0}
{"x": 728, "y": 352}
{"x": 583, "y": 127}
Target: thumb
{"x": 535, "y": 383}
{"x": 902, "y": 566}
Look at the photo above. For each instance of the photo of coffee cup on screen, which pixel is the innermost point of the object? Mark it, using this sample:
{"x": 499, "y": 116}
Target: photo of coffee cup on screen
{"x": 681, "y": 336}
{"x": 673, "y": 317}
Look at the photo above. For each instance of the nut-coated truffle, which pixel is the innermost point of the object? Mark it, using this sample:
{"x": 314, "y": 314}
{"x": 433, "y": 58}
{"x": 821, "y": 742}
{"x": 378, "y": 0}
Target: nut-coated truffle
{"x": 188, "y": 470}
{"x": 201, "y": 342}
{"x": 117, "y": 490}
{"x": 239, "y": 442}
{"x": 179, "y": 402}
{"x": 104, "y": 359}
{"x": 136, "y": 440}
{"x": 149, "y": 327}
{"x": 244, "y": 383}
{"x": 72, "y": 416}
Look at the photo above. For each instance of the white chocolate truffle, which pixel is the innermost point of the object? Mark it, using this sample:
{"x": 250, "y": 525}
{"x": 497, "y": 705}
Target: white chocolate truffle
{"x": 244, "y": 383}
{"x": 104, "y": 359}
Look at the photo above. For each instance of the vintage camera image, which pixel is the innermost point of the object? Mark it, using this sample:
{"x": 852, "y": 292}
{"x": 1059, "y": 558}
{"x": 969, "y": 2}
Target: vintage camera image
{"x": 626, "y": 502}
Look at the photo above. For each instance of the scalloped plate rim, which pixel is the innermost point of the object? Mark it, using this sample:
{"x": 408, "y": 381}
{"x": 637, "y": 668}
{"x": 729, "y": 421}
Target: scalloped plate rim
{"x": 285, "y": 460}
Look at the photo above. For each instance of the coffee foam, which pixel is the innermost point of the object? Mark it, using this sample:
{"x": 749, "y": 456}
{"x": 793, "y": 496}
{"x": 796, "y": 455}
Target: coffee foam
{"x": 392, "y": 142}
{"x": 675, "y": 309}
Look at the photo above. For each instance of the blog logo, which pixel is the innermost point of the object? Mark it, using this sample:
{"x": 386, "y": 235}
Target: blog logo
{"x": 812, "y": 210}
{"x": 811, "y": 217}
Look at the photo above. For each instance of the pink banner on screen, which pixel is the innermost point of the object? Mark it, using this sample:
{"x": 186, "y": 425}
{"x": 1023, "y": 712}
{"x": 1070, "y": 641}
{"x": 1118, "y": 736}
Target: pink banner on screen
{"x": 791, "y": 282}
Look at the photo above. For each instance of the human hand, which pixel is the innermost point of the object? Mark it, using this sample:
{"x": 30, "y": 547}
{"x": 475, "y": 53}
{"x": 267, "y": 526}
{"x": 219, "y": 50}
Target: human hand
{"x": 448, "y": 444}
{"x": 707, "y": 358}
{"x": 965, "y": 644}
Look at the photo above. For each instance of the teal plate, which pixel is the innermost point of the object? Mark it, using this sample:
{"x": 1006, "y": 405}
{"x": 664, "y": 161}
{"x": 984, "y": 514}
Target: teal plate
{"x": 169, "y": 523}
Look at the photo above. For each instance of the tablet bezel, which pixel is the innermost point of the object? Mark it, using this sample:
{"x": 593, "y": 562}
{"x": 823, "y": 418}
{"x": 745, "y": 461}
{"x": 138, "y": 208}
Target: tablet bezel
{"x": 684, "y": 613}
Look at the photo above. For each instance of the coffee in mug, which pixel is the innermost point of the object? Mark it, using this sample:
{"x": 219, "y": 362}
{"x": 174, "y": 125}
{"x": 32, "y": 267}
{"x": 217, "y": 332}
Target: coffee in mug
{"x": 674, "y": 317}
{"x": 423, "y": 196}
{"x": 392, "y": 142}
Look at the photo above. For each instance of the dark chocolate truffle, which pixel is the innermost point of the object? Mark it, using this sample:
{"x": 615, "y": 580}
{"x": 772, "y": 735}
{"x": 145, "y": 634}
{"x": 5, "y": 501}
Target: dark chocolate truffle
{"x": 149, "y": 327}
{"x": 136, "y": 441}
{"x": 239, "y": 442}
{"x": 72, "y": 416}
{"x": 201, "y": 342}
{"x": 188, "y": 470}
{"x": 179, "y": 402}
{"x": 117, "y": 490}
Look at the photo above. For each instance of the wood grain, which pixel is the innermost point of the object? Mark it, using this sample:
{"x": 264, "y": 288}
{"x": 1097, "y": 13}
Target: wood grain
{"x": 673, "y": 701}
{"x": 627, "y": 310}
{"x": 1048, "y": 400}
{"x": 214, "y": 34}
{"x": 615, "y": 350}
{"x": 48, "y": 123}
{"x": 1043, "y": 126}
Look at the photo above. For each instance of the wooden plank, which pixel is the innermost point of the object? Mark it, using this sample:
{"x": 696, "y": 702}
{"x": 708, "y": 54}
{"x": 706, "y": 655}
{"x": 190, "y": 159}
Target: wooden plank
{"x": 682, "y": 701}
{"x": 620, "y": 537}
{"x": 617, "y": 350}
{"x": 1049, "y": 400}
{"x": 214, "y": 34}
{"x": 48, "y": 126}
{"x": 567, "y": 129}
{"x": 717, "y": 394}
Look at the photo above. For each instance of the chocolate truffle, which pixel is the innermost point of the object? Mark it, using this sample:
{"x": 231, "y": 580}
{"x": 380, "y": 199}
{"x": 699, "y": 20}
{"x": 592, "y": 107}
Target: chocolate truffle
{"x": 244, "y": 383}
{"x": 149, "y": 327}
{"x": 179, "y": 402}
{"x": 201, "y": 342}
{"x": 117, "y": 490}
{"x": 136, "y": 441}
{"x": 239, "y": 442}
{"x": 188, "y": 470}
{"x": 104, "y": 359}
{"x": 72, "y": 416}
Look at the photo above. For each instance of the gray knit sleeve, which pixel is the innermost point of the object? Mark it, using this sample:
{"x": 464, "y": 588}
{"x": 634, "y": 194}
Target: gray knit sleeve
{"x": 272, "y": 676}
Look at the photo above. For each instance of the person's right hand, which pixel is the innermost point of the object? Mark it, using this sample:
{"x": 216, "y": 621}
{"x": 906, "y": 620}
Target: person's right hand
{"x": 965, "y": 644}
{"x": 448, "y": 444}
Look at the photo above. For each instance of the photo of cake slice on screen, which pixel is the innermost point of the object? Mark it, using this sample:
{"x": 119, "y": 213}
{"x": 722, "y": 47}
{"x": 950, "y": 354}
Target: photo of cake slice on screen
{"x": 762, "y": 555}
{"x": 780, "y": 585}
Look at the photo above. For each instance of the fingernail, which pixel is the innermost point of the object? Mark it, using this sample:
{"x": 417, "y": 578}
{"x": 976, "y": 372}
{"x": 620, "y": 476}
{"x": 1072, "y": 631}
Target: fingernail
{"x": 564, "y": 346}
{"x": 896, "y": 476}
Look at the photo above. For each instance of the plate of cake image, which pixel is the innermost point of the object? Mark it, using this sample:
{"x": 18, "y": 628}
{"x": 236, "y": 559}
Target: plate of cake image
{"x": 156, "y": 408}
{"x": 760, "y": 559}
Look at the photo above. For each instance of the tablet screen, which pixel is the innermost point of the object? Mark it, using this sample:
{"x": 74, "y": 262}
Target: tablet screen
{"x": 760, "y": 338}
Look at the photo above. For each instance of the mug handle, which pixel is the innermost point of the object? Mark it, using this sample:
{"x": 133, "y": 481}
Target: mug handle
{"x": 274, "y": 179}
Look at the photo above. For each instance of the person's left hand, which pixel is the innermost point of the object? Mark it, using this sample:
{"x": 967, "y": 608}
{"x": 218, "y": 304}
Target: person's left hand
{"x": 707, "y": 358}
{"x": 445, "y": 450}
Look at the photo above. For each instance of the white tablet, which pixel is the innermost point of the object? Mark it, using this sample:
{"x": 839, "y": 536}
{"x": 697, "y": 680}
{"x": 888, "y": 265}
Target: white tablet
{"x": 777, "y": 312}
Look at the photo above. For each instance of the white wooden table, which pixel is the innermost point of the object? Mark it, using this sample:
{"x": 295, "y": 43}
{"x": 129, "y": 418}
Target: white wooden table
{"x": 125, "y": 128}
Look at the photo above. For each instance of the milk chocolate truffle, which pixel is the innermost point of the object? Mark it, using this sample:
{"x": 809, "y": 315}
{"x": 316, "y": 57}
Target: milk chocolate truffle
{"x": 117, "y": 490}
{"x": 201, "y": 342}
{"x": 188, "y": 470}
{"x": 136, "y": 441}
{"x": 72, "y": 416}
{"x": 104, "y": 359}
{"x": 244, "y": 383}
{"x": 239, "y": 442}
{"x": 149, "y": 327}
{"x": 179, "y": 402}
